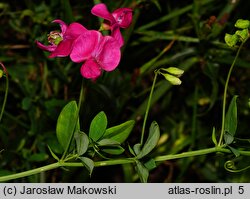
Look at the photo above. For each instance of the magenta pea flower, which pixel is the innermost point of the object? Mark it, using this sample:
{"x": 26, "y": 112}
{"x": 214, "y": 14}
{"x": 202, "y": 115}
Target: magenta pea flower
{"x": 120, "y": 18}
{"x": 61, "y": 42}
{"x": 98, "y": 53}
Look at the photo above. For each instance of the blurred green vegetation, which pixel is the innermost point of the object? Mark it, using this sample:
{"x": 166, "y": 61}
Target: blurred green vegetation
{"x": 185, "y": 34}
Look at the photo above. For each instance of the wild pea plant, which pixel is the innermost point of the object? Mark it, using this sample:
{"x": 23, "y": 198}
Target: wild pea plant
{"x": 103, "y": 145}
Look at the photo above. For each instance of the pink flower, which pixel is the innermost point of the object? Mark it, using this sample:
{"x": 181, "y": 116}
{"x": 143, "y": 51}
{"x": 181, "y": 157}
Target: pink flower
{"x": 61, "y": 42}
{"x": 98, "y": 53}
{"x": 120, "y": 18}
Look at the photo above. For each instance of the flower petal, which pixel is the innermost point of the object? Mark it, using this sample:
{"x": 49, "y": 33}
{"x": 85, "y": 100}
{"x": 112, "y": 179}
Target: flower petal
{"x": 123, "y": 16}
{"x": 90, "y": 69}
{"x": 110, "y": 54}
{"x": 49, "y": 48}
{"x": 63, "y": 49}
{"x": 117, "y": 35}
{"x": 74, "y": 30}
{"x": 101, "y": 10}
{"x": 62, "y": 24}
{"x": 84, "y": 45}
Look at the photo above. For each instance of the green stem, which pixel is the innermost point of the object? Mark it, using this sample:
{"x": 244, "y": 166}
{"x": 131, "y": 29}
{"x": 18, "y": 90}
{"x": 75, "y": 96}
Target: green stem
{"x": 225, "y": 95}
{"x": 148, "y": 107}
{"x": 190, "y": 154}
{"x": 30, "y": 172}
{"x": 81, "y": 98}
{"x": 118, "y": 162}
{"x": 5, "y": 96}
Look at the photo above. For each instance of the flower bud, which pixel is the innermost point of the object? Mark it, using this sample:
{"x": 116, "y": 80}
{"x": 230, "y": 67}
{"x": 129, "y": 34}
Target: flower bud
{"x": 243, "y": 34}
{"x": 231, "y": 40}
{"x": 241, "y": 23}
{"x": 172, "y": 79}
{"x": 174, "y": 71}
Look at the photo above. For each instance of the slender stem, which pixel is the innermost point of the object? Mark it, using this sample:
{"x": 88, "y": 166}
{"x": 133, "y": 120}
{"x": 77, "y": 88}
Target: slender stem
{"x": 6, "y": 92}
{"x": 30, "y": 172}
{"x": 81, "y": 98}
{"x": 188, "y": 154}
{"x": 62, "y": 164}
{"x": 148, "y": 107}
{"x": 118, "y": 162}
{"x": 225, "y": 94}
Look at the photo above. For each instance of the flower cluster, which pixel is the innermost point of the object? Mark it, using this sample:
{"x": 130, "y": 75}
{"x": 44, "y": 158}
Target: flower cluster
{"x": 240, "y": 35}
{"x": 96, "y": 51}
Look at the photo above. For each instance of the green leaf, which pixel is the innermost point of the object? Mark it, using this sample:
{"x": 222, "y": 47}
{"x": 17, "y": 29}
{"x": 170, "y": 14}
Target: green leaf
{"x": 131, "y": 150}
{"x": 110, "y": 146}
{"x": 120, "y": 132}
{"x": 142, "y": 171}
{"x": 66, "y": 123}
{"x": 234, "y": 151}
{"x": 108, "y": 142}
{"x": 150, "y": 164}
{"x": 228, "y": 138}
{"x": 98, "y": 126}
{"x": 116, "y": 150}
{"x": 88, "y": 163}
{"x": 231, "y": 117}
{"x": 53, "y": 154}
{"x": 214, "y": 137}
{"x": 82, "y": 142}
{"x": 152, "y": 140}
{"x": 137, "y": 148}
